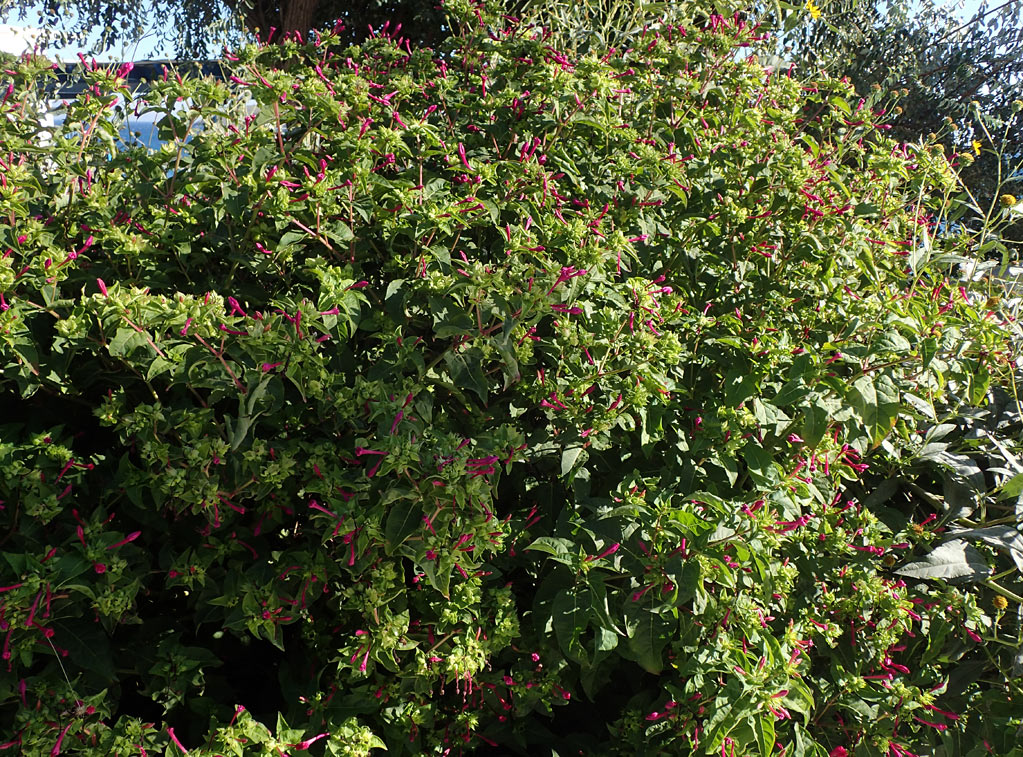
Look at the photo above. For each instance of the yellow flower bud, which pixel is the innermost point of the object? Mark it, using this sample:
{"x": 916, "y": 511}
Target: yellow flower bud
{"x": 1000, "y": 602}
{"x": 1007, "y": 201}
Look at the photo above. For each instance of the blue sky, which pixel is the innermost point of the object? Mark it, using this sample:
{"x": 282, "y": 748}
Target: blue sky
{"x": 151, "y": 47}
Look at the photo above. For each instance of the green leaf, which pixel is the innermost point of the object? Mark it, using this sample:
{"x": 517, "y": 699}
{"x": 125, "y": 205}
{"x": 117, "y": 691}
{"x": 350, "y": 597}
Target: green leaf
{"x": 761, "y": 465}
{"x": 1006, "y": 538}
{"x": 125, "y": 341}
{"x": 953, "y": 559}
{"x": 570, "y": 617}
{"x": 551, "y": 545}
{"x": 438, "y": 572}
{"x": 648, "y": 634}
{"x": 1013, "y": 487}
{"x": 791, "y": 392}
{"x": 815, "y": 424}
{"x": 404, "y": 518}
{"x": 876, "y": 400}
{"x": 465, "y": 369}
{"x": 763, "y": 727}
{"x": 570, "y": 460}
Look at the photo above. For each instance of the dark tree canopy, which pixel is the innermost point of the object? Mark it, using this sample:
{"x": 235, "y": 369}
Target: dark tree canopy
{"x": 198, "y": 28}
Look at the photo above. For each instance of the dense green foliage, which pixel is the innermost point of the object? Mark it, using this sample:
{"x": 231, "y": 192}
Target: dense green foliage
{"x": 492, "y": 399}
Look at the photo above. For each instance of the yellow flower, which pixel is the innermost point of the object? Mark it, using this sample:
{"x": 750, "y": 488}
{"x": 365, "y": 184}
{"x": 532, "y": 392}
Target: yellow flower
{"x": 976, "y": 147}
{"x": 1007, "y": 201}
{"x": 1000, "y": 602}
{"x": 815, "y": 12}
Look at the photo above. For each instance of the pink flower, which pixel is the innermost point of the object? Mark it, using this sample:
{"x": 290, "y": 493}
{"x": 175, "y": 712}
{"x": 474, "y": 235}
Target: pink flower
{"x": 100, "y": 568}
{"x": 309, "y": 742}
{"x": 130, "y": 537}
{"x": 177, "y": 743}
{"x": 567, "y": 309}
{"x": 461, "y": 155}
{"x": 568, "y": 272}
{"x": 360, "y": 451}
{"x": 609, "y": 551}
{"x": 56, "y": 747}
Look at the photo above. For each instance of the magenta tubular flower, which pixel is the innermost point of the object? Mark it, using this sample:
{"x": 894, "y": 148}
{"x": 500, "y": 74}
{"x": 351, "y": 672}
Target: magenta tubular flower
{"x": 360, "y": 451}
{"x": 309, "y": 742}
{"x": 60, "y": 739}
{"x": 566, "y": 309}
{"x": 461, "y": 155}
{"x": 177, "y": 743}
{"x": 235, "y": 307}
{"x": 609, "y": 551}
{"x": 129, "y": 538}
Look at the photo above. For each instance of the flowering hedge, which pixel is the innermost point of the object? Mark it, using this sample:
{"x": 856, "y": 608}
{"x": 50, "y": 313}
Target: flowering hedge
{"x": 483, "y": 399}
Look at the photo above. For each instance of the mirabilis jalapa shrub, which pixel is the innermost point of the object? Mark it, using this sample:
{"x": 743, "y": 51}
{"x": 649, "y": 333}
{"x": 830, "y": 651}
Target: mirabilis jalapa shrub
{"x": 483, "y": 401}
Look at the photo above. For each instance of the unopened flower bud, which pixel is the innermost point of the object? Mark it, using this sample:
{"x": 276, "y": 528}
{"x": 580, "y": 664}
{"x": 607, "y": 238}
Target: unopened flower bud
{"x": 1007, "y": 201}
{"x": 1000, "y": 602}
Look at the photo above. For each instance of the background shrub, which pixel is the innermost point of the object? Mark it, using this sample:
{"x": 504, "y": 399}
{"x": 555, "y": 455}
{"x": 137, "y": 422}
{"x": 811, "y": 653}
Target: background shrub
{"x": 488, "y": 399}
